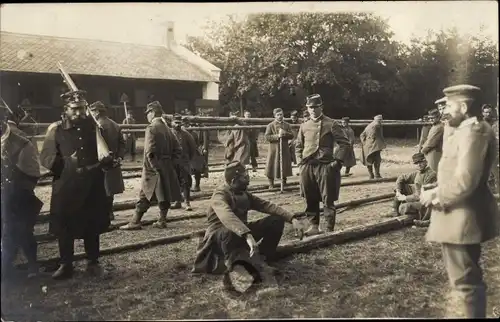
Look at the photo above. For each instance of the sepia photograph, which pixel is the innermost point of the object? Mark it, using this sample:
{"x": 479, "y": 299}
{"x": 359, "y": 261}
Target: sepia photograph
{"x": 249, "y": 160}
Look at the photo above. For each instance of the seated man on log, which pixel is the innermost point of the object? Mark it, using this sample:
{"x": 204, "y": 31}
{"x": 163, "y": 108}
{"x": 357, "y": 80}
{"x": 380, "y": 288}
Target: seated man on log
{"x": 408, "y": 188}
{"x": 230, "y": 238}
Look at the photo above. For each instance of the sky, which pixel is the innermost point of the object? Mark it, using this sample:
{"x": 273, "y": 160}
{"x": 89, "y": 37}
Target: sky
{"x": 144, "y": 23}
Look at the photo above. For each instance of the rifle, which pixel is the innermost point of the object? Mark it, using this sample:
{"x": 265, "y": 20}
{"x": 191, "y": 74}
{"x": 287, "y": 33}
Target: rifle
{"x": 77, "y": 95}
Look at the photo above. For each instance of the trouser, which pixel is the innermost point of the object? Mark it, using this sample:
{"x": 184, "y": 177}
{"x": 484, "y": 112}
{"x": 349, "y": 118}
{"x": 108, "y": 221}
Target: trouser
{"x": 110, "y": 201}
{"x": 320, "y": 183}
{"x": 373, "y": 161}
{"x": 269, "y": 229}
{"x": 466, "y": 277}
{"x": 131, "y": 147}
{"x": 347, "y": 170}
{"x": 185, "y": 180}
{"x": 66, "y": 243}
{"x": 197, "y": 178}
{"x": 143, "y": 204}
{"x": 18, "y": 234}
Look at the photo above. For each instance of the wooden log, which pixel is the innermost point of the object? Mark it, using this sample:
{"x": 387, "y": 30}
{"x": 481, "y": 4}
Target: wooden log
{"x": 348, "y": 204}
{"x": 283, "y": 250}
{"x": 130, "y": 204}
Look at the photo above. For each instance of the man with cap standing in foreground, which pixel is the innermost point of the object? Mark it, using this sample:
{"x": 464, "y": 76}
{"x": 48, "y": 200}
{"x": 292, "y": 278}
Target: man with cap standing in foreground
{"x": 79, "y": 207}
{"x": 230, "y": 237}
{"x": 20, "y": 206}
{"x": 433, "y": 145}
{"x": 372, "y": 144}
{"x": 113, "y": 137}
{"x": 278, "y": 132}
{"x": 350, "y": 157}
{"x": 320, "y": 172}
{"x": 183, "y": 164}
{"x": 465, "y": 212}
{"x": 159, "y": 178}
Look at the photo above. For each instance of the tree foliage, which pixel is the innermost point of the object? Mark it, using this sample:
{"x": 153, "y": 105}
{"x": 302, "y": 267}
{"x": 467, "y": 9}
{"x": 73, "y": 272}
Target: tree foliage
{"x": 351, "y": 59}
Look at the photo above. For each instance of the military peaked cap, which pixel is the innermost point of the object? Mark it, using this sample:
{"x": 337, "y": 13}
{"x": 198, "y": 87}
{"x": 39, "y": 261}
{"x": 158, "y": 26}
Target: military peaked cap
{"x": 442, "y": 100}
{"x": 418, "y": 157}
{"x": 462, "y": 91}
{"x": 345, "y": 118}
{"x": 154, "y": 106}
{"x": 314, "y": 100}
{"x": 434, "y": 112}
{"x": 294, "y": 113}
{"x": 233, "y": 169}
{"x": 99, "y": 106}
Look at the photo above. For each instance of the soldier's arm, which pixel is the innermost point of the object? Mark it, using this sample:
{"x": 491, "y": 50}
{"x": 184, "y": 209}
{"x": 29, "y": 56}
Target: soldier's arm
{"x": 299, "y": 145}
{"x": 342, "y": 140}
{"x": 379, "y": 131}
{"x": 288, "y": 132}
{"x": 230, "y": 139}
{"x": 150, "y": 148}
{"x": 405, "y": 179}
{"x": 469, "y": 168}
{"x": 433, "y": 139}
{"x": 269, "y": 208}
{"x": 269, "y": 135}
{"x": 29, "y": 161}
{"x": 226, "y": 215}
{"x": 50, "y": 156}
{"x": 122, "y": 147}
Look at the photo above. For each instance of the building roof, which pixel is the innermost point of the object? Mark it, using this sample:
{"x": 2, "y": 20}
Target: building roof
{"x": 40, "y": 54}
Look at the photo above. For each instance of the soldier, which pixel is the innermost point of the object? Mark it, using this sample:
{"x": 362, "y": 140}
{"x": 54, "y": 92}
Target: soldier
{"x": 350, "y": 157}
{"x": 229, "y": 232}
{"x": 465, "y": 212}
{"x": 441, "y": 104}
{"x": 20, "y": 206}
{"x": 159, "y": 178}
{"x": 372, "y": 144}
{"x": 130, "y": 137}
{"x": 278, "y": 132}
{"x": 237, "y": 146}
{"x": 433, "y": 145}
{"x": 253, "y": 135}
{"x": 14, "y": 118}
{"x": 305, "y": 116}
{"x": 424, "y": 133}
{"x": 183, "y": 164}
{"x": 198, "y": 163}
{"x": 295, "y": 131}
{"x": 408, "y": 188}
{"x": 112, "y": 134}
{"x": 320, "y": 173}
{"x": 489, "y": 115}
{"x": 79, "y": 207}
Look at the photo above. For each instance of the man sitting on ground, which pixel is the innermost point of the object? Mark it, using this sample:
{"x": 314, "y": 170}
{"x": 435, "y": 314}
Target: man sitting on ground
{"x": 230, "y": 238}
{"x": 408, "y": 188}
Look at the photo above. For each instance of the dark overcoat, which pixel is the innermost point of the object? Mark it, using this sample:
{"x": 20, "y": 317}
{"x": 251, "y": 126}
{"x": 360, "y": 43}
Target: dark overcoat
{"x": 253, "y": 136}
{"x": 79, "y": 204}
{"x": 161, "y": 151}
{"x": 273, "y": 160}
{"x": 238, "y": 146}
{"x": 188, "y": 149}
{"x": 372, "y": 140}
{"x": 111, "y": 132}
{"x": 350, "y": 157}
{"x": 198, "y": 162}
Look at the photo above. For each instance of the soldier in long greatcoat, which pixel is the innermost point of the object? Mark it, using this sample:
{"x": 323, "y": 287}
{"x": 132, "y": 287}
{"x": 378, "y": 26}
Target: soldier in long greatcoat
{"x": 79, "y": 207}
{"x": 350, "y": 157}
{"x": 183, "y": 164}
{"x": 433, "y": 145}
{"x": 20, "y": 206}
{"x": 159, "y": 179}
{"x": 465, "y": 213}
{"x": 320, "y": 172}
{"x": 278, "y": 132}
{"x": 237, "y": 146}
{"x": 253, "y": 135}
{"x": 111, "y": 132}
{"x": 295, "y": 130}
{"x": 372, "y": 144}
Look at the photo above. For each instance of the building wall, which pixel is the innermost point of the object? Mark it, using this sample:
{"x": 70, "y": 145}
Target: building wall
{"x": 43, "y": 92}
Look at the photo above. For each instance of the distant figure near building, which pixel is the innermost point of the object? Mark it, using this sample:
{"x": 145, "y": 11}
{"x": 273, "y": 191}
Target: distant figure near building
{"x": 350, "y": 157}
{"x": 130, "y": 138}
{"x": 372, "y": 144}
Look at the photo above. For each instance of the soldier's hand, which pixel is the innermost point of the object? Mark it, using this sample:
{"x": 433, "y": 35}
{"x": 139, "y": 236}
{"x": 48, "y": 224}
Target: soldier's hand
{"x": 281, "y": 133}
{"x": 81, "y": 170}
{"x": 254, "y": 246}
{"x": 336, "y": 165}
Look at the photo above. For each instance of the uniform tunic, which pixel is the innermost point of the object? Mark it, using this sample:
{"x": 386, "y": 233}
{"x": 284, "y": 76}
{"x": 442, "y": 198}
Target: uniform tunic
{"x": 228, "y": 222}
{"x": 423, "y": 135}
{"x": 273, "y": 160}
{"x": 433, "y": 146}
{"x": 238, "y": 146}
{"x": 410, "y": 184}
{"x": 372, "y": 141}
{"x": 79, "y": 202}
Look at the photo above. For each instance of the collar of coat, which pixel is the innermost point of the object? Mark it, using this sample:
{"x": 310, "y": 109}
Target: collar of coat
{"x": 317, "y": 118}
{"x": 467, "y": 122}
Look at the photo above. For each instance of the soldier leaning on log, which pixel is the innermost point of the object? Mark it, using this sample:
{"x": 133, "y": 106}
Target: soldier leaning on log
{"x": 230, "y": 239}
{"x": 320, "y": 169}
{"x": 130, "y": 137}
{"x": 20, "y": 206}
{"x": 278, "y": 132}
{"x": 112, "y": 134}
{"x": 295, "y": 131}
{"x": 253, "y": 135}
{"x": 237, "y": 146}
{"x": 79, "y": 205}
{"x": 433, "y": 145}
{"x": 183, "y": 164}
{"x": 408, "y": 187}
{"x": 350, "y": 157}
{"x": 198, "y": 163}
{"x": 159, "y": 180}
{"x": 489, "y": 115}
{"x": 465, "y": 212}
{"x": 372, "y": 144}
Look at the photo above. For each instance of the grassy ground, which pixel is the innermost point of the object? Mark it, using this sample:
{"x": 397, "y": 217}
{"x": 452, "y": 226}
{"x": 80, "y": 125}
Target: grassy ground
{"x": 391, "y": 275}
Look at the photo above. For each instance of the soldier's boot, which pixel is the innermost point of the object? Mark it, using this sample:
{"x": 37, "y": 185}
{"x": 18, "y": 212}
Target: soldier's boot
{"x": 111, "y": 216}
{"x": 188, "y": 206}
{"x": 196, "y": 188}
{"x": 395, "y": 209}
{"x": 65, "y": 271}
{"x": 271, "y": 184}
{"x": 93, "y": 268}
{"x": 284, "y": 181}
{"x": 347, "y": 171}
{"x": 267, "y": 274}
{"x": 370, "y": 171}
{"x": 313, "y": 230}
{"x": 176, "y": 205}
{"x": 135, "y": 223}
{"x": 162, "y": 221}
{"x": 330, "y": 217}
{"x": 377, "y": 171}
